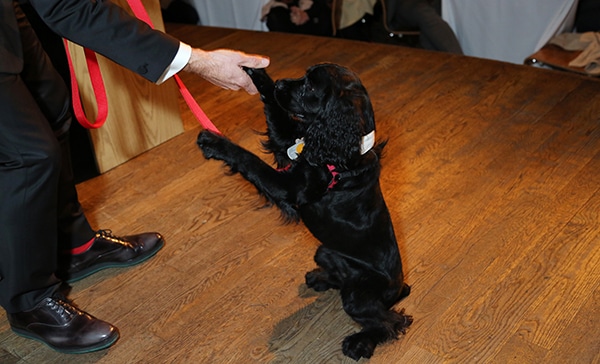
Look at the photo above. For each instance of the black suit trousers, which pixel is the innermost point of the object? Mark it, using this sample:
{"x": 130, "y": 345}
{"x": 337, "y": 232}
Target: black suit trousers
{"x": 40, "y": 215}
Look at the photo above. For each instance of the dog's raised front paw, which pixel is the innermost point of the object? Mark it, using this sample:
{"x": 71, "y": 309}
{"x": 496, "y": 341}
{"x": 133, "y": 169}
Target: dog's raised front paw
{"x": 261, "y": 79}
{"x": 208, "y": 143}
{"x": 359, "y": 345}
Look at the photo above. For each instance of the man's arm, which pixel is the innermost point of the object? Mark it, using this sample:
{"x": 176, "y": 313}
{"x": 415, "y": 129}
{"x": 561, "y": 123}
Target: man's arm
{"x": 106, "y": 28}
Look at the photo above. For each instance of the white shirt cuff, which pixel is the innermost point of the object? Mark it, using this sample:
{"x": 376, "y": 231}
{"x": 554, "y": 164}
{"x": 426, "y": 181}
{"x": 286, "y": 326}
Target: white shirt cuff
{"x": 181, "y": 60}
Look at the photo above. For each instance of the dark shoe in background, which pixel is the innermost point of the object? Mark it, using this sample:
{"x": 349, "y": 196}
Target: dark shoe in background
{"x": 109, "y": 251}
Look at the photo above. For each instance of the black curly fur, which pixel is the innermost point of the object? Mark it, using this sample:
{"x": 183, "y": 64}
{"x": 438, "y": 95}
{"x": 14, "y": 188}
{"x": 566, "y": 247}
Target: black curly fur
{"x": 331, "y": 110}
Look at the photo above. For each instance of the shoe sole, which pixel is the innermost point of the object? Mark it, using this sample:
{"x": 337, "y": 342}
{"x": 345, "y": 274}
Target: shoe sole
{"x": 101, "y": 266}
{"x": 100, "y": 346}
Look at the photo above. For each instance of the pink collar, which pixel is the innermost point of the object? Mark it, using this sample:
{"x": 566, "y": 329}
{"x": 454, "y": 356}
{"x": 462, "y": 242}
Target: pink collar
{"x": 334, "y": 174}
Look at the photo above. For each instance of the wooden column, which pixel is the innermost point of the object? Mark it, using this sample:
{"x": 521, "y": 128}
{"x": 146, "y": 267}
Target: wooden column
{"x": 141, "y": 115}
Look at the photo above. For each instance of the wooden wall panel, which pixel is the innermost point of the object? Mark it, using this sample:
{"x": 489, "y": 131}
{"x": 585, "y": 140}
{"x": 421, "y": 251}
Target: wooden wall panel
{"x": 141, "y": 114}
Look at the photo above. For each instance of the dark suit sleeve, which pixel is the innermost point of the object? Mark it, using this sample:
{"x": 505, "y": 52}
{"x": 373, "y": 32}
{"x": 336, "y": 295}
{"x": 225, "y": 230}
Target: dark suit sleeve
{"x": 106, "y": 28}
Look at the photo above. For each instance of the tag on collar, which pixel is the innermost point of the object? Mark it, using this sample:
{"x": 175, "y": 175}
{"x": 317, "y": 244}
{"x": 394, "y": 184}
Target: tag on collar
{"x": 367, "y": 142}
{"x": 295, "y": 149}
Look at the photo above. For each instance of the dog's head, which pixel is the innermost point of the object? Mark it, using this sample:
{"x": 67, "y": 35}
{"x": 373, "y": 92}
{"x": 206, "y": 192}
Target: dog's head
{"x": 336, "y": 110}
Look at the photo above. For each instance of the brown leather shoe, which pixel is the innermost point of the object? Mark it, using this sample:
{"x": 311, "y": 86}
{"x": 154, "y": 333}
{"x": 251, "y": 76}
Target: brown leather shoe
{"x": 109, "y": 251}
{"x": 63, "y": 327}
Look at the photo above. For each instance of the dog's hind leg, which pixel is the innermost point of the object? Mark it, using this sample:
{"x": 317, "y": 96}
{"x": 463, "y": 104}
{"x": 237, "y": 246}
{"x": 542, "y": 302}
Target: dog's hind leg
{"x": 364, "y": 302}
{"x": 327, "y": 276}
{"x": 319, "y": 280}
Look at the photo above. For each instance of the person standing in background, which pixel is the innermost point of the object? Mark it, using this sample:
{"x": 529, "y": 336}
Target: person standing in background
{"x": 434, "y": 32}
{"x": 311, "y": 17}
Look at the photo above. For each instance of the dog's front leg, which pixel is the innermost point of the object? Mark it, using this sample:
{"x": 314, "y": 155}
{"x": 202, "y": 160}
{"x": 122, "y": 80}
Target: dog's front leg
{"x": 264, "y": 84}
{"x": 218, "y": 147}
{"x": 281, "y": 129}
{"x": 269, "y": 182}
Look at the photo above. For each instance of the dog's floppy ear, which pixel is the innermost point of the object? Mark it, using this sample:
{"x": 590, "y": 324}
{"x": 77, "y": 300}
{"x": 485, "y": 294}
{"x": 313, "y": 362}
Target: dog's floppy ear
{"x": 335, "y": 135}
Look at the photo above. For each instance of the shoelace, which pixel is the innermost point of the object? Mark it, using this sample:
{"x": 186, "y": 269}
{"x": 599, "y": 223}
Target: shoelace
{"x": 107, "y": 234}
{"x": 61, "y": 307}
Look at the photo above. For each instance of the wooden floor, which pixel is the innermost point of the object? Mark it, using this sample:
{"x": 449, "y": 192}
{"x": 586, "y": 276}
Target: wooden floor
{"x": 492, "y": 177}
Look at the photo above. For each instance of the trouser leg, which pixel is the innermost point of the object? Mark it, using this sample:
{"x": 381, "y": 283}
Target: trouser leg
{"x": 34, "y": 187}
{"x": 435, "y": 32}
{"x": 52, "y": 95}
{"x": 29, "y": 174}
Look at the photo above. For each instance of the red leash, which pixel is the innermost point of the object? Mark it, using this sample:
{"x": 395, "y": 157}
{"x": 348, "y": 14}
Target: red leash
{"x": 100, "y": 92}
{"x": 97, "y": 85}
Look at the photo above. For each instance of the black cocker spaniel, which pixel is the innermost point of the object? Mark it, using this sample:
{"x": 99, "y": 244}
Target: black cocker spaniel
{"x": 320, "y": 129}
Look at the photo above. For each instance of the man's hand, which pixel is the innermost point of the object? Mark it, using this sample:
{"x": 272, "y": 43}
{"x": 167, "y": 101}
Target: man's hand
{"x": 223, "y": 67}
{"x": 298, "y": 16}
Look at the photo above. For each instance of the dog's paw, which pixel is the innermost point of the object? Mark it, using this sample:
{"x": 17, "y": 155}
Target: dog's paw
{"x": 359, "y": 345}
{"x": 401, "y": 321}
{"x": 261, "y": 79}
{"x": 208, "y": 142}
{"x": 318, "y": 280}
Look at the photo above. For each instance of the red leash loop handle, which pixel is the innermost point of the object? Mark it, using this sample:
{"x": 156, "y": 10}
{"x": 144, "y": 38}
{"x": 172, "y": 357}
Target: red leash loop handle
{"x": 98, "y": 86}
{"x": 100, "y": 92}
